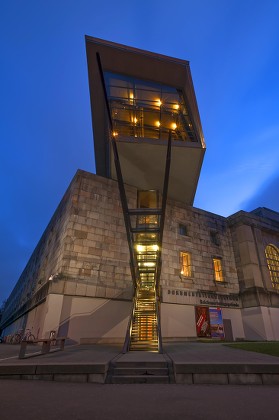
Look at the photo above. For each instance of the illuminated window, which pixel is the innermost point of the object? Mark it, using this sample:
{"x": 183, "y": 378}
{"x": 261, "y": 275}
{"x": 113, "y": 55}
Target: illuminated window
{"x": 272, "y": 258}
{"x": 185, "y": 264}
{"x": 182, "y": 230}
{"x": 148, "y": 199}
{"x": 141, "y": 108}
{"x": 218, "y": 271}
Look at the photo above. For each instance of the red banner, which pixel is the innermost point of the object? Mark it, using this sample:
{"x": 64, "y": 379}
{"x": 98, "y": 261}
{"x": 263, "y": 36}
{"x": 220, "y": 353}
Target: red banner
{"x": 202, "y": 321}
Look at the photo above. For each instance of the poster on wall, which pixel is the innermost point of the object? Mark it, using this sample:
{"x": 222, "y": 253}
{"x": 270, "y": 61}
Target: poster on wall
{"x": 202, "y": 321}
{"x": 216, "y": 323}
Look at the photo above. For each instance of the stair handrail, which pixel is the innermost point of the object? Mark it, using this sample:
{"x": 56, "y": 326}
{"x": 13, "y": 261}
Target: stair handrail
{"x": 127, "y": 341}
{"x": 159, "y": 334}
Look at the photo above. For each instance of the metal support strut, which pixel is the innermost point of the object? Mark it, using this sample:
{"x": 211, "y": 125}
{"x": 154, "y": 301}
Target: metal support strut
{"x": 144, "y": 230}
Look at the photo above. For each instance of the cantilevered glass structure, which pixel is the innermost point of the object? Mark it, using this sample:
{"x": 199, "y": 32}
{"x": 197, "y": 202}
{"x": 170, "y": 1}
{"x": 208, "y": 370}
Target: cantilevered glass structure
{"x": 144, "y": 109}
{"x": 147, "y": 133}
{"x": 148, "y": 95}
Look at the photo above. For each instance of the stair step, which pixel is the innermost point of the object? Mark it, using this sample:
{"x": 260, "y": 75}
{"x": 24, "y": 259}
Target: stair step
{"x": 127, "y": 371}
{"x": 149, "y": 349}
{"x": 140, "y": 379}
{"x": 143, "y": 347}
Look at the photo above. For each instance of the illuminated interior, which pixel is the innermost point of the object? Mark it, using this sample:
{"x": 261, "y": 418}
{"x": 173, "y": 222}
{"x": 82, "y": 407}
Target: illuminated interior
{"x": 140, "y": 108}
{"x": 147, "y": 242}
{"x": 145, "y": 319}
{"x": 272, "y": 258}
{"x": 218, "y": 271}
{"x": 185, "y": 261}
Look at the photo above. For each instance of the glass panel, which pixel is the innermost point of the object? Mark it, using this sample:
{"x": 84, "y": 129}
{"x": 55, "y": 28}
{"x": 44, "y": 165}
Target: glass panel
{"x": 218, "y": 272}
{"x": 148, "y": 200}
{"x": 145, "y": 109}
{"x": 185, "y": 262}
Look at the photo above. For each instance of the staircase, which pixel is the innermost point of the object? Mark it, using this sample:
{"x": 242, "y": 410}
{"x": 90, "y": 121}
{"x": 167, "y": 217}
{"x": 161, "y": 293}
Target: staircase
{"x": 132, "y": 370}
{"x": 145, "y": 239}
{"x": 144, "y": 332}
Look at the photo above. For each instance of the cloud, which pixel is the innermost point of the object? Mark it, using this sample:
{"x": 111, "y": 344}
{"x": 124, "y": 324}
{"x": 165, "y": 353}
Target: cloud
{"x": 266, "y": 196}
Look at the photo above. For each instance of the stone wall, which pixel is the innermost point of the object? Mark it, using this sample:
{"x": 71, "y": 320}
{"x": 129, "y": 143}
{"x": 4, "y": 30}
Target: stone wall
{"x": 83, "y": 256}
{"x": 251, "y": 233}
{"x": 95, "y": 258}
{"x": 84, "y": 251}
{"x": 208, "y": 236}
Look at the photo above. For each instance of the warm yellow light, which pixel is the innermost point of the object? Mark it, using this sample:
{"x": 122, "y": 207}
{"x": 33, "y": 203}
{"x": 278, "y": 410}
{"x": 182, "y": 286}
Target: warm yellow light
{"x": 115, "y": 134}
{"x": 157, "y": 123}
{"x": 140, "y": 248}
{"x": 176, "y": 106}
{"x": 149, "y": 264}
{"x": 159, "y": 103}
{"x": 174, "y": 126}
{"x": 135, "y": 120}
{"x": 131, "y": 96}
{"x": 155, "y": 248}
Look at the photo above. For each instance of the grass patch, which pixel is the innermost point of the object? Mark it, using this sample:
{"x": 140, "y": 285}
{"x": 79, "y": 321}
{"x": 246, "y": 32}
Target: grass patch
{"x": 271, "y": 348}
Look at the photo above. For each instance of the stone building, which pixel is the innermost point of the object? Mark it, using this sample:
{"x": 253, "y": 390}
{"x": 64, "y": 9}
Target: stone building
{"x": 114, "y": 263}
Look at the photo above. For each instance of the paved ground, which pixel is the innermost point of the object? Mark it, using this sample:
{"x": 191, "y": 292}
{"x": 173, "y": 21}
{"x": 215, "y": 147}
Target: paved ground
{"x": 35, "y": 399}
{"x": 198, "y": 352}
{"x": 184, "y": 352}
{"x": 72, "y": 354}
{"x": 58, "y": 401}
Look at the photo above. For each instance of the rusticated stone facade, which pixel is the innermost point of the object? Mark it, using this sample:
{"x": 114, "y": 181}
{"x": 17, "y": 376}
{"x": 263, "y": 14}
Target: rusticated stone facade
{"x": 198, "y": 241}
{"x": 83, "y": 251}
{"x": 78, "y": 279}
{"x": 252, "y": 233}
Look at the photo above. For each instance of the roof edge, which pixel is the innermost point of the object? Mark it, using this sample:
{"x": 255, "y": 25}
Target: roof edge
{"x": 123, "y": 47}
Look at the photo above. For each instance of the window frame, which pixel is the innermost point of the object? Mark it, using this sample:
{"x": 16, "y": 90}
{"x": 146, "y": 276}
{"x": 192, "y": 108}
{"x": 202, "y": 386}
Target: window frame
{"x": 214, "y": 237}
{"x": 181, "y": 228}
{"x": 186, "y": 270}
{"x": 216, "y": 273}
{"x": 273, "y": 264}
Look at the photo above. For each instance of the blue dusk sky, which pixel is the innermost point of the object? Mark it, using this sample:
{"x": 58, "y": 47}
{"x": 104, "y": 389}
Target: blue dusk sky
{"x": 45, "y": 117}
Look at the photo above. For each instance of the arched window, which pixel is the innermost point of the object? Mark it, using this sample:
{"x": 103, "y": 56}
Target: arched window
{"x": 272, "y": 258}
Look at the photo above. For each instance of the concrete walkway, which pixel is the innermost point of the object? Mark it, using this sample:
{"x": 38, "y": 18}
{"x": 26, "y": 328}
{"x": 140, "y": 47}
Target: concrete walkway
{"x": 193, "y": 363}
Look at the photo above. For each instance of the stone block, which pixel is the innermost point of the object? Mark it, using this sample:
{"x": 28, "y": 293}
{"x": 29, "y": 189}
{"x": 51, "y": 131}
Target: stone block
{"x": 100, "y": 291}
{"x": 74, "y": 377}
{"x": 80, "y": 234}
{"x": 184, "y": 378}
{"x": 10, "y": 377}
{"x": 96, "y": 378}
{"x": 110, "y": 292}
{"x": 47, "y": 377}
{"x": 78, "y": 249}
{"x": 81, "y": 289}
{"x": 248, "y": 253}
{"x": 270, "y": 379}
{"x": 244, "y": 233}
{"x": 38, "y": 377}
{"x": 210, "y": 378}
{"x": 90, "y": 290}
{"x": 70, "y": 288}
{"x": 245, "y": 379}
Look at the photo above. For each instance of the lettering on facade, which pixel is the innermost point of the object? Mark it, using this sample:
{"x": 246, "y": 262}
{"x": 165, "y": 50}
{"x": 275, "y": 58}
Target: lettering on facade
{"x": 202, "y": 298}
